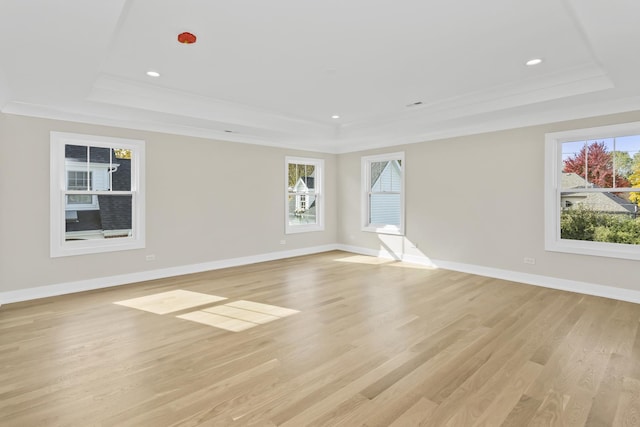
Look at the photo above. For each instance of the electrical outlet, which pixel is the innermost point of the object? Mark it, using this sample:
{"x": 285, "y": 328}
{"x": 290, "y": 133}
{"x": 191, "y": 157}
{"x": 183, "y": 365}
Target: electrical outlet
{"x": 529, "y": 260}
{"x": 151, "y": 257}
{"x": 283, "y": 242}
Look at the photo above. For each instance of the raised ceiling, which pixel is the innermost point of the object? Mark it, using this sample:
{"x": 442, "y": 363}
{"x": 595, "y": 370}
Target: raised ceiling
{"x": 275, "y": 72}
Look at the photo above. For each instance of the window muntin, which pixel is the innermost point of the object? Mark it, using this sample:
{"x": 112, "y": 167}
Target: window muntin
{"x": 383, "y": 194}
{"x": 97, "y": 198}
{"x": 304, "y": 207}
{"x": 592, "y": 189}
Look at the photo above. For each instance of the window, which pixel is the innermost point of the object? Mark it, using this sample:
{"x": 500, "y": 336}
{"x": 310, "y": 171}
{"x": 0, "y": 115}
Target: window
{"x": 304, "y": 206}
{"x": 97, "y": 194}
{"x": 383, "y": 193}
{"x": 592, "y": 191}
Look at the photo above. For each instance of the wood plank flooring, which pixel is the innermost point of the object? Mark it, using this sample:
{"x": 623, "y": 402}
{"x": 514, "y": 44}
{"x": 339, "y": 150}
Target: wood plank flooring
{"x": 372, "y": 343}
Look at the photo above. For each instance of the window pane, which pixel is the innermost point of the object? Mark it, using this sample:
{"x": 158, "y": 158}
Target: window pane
{"x": 302, "y": 209}
{"x": 386, "y": 176}
{"x": 79, "y": 180}
{"x": 377, "y": 169}
{"x": 301, "y": 177}
{"x": 112, "y": 219}
{"x": 79, "y": 199}
{"x": 601, "y": 163}
{"x": 600, "y": 217}
{"x": 109, "y": 168}
{"x": 121, "y": 170}
{"x": 385, "y": 208}
{"x": 79, "y": 153}
{"x": 626, "y": 159}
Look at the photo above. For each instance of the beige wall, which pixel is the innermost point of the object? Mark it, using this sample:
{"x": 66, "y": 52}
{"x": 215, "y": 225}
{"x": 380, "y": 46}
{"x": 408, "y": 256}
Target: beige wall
{"x": 479, "y": 200}
{"x": 206, "y": 201}
{"x": 475, "y": 200}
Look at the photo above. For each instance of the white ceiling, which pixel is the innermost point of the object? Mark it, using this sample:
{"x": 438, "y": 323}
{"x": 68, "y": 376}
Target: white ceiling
{"x": 274, "y": 72}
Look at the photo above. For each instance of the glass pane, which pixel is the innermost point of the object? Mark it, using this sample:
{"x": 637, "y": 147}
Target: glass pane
{"x": 301, "y": 177}
{"x": 80, "y": 199}
{"x": 121, "y": 169}
{"x": 386, "y": 176}
{"x": 574, "y": 164}
{"x": 601, "y": 163}
{"x": 302, "y": 209}
{"x": 76, "y": 152}
{"x": 626, "y": 161}
{"x": 111, "y": 218}
{"x": 600, "y": 217}
{"x": 385, "y": 209}
{"x": 377, "y": 169}
{"x": 98, "y": 168}
{"x": 79, "y": 180}
{"x": 79, "y": 153}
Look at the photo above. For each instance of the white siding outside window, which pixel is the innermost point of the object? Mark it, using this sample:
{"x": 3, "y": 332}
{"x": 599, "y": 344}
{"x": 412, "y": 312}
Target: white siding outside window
{"x": 383, "y": 193}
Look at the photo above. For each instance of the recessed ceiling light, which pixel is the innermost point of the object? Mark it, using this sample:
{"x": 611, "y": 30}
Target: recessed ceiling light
{"x": 534, "y": 61}
{"x": 335, "y": 116}
{"x": 153, "y": 74}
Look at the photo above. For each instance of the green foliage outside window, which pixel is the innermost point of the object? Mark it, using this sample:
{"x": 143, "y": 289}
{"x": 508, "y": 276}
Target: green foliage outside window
{"x": 586, "y": 224}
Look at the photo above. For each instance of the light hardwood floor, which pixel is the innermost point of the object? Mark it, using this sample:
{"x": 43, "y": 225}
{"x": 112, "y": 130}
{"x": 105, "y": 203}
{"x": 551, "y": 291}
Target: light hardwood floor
{"x": 374, "y": 343}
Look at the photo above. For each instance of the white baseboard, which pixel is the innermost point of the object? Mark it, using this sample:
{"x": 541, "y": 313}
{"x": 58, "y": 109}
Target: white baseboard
{"x": 514, "y": 276}
{"x": 123, "y": 279}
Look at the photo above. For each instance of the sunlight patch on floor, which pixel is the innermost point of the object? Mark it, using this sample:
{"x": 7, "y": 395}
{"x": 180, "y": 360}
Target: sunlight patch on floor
{"x": 238, "y": 315}
{"x": 405, "y": 264}
{"x": 171, "y": 301}
{"x": 234, "y": 316}
{"x": 221, "y": 322}
{"x": 372, "y": 260}
{"x": 363, "y": 259}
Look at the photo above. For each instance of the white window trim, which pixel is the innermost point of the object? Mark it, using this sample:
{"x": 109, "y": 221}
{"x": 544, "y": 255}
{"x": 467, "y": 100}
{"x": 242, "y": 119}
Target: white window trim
{"x": 58, "y": 246}
{"x": 366, "y": 185}
{"x": 553, "y": 178}
{"x": 319, "y": 188}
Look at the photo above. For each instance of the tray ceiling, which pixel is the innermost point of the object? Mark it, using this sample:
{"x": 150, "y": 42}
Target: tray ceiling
{"x": 276, "y": 72}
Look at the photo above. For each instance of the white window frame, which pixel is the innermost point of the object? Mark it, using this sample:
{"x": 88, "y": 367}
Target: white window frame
{"x": 318, "y": 165}
{"x": 366, "y": 194}
{"x": 59, "y": 247}
{"x": 553, "y": 179}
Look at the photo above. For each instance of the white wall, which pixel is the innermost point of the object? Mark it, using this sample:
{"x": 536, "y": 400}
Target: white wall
{"x": 478, "y": 200}
{"x": 195, "y": 210}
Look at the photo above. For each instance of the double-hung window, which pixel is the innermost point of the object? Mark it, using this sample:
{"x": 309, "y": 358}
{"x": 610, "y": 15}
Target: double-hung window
{"x": 304, "y": 203}
{"x": 383, "y": 193}
{"x": 96, "y": 194}
{"x": 592, "y": 191}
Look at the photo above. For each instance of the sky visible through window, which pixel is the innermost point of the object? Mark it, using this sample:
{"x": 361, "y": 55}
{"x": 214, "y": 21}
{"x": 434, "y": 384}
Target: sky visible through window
{"x": 629, "y": 144}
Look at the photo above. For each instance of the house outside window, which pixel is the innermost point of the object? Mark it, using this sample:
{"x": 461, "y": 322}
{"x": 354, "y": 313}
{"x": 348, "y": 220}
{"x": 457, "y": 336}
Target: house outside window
{"x": 80, "y": 180}
{"x": 304, "y": 203}
{"x": 97, "y": 194}
{"x": 383, "y": 193}
{"x": 592, "y": 191}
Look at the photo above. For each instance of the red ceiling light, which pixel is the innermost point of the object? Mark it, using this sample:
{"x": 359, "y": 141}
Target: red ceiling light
{"x": 186, "y": 38}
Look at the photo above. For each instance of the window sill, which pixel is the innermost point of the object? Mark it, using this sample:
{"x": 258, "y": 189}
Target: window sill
{"x": 386, "y": 229}
{"x": 294, "y": 229}
{"x": 600, "y": 249}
